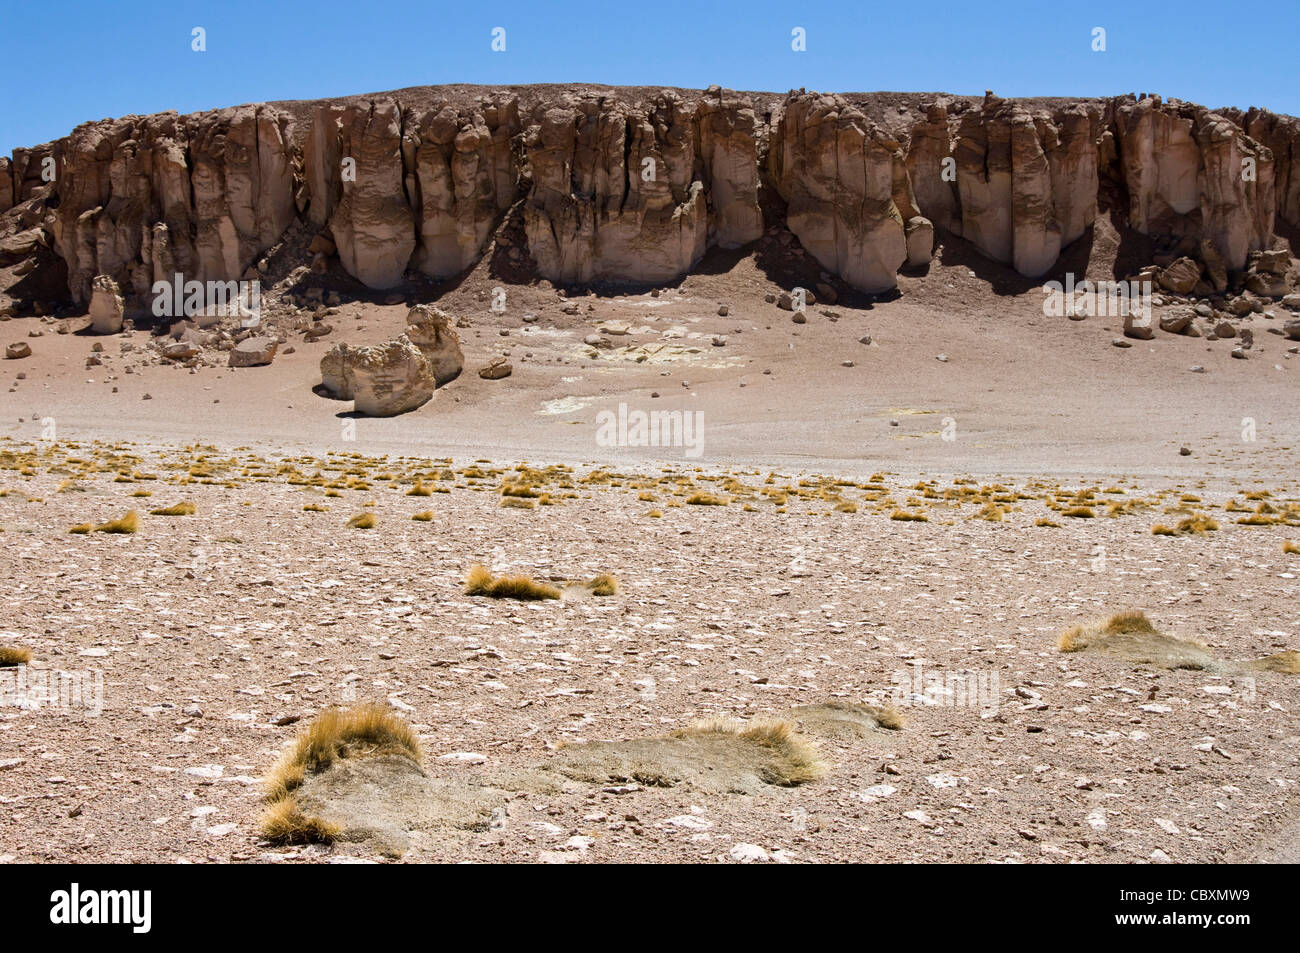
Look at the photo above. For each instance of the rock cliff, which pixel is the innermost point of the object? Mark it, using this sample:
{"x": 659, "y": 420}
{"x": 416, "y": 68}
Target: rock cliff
{"x": 635, "y": 185}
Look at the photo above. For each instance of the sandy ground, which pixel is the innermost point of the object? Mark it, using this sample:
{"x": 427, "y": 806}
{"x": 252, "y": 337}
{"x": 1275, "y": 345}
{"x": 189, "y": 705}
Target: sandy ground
{"x": 220, "y": 634}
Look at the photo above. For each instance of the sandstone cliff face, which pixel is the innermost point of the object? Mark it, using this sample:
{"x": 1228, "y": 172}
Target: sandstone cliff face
{"x": 835, "y": 170}
{"x": 1025, "y": 183}
{"x": 614, "y": 192}
{"x": 1183, "y": 166}
{"x": 636, "y": 185}
{"x": 140, "y": 199}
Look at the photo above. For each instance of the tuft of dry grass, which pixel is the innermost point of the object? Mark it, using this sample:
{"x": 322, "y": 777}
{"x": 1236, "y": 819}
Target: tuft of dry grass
{"x": 363, "y": 521}
{"x": 1044, "y": 521}
{"x": 420, "y": 490}
{"x": 843, "y": 506}
{"x": 1080, "y": 512}
{"x": 798, "y": 761}
{"x": 424, "y": 516}
{"x": 1290, "y": 547}
{"x": 603, "y": 585}
{"x": 315, "y": 508}
{"x": 127, "y": 523}
{"x": 284, "y": 824}
{"x": 706, "y": 499}
{"x": 903, "y": 516}
{"x": 481, "y": 582}
{"x": 655, "y": 514}
{"x": 1133, "y": 620}
{"x": 991, "y": 512}
{"x": 335, "y": 734}
{"x": 1285, "y": 663}
{"x": 889, "y": 717}
{"x": 179, "y": 509}
{"x": 11, "y": 655}
{"x": 518, "y": 503}
{"x": 81, "y": 528}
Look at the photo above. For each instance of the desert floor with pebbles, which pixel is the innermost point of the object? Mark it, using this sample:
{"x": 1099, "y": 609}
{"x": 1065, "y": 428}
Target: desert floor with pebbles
{"x": 899, "y": 507}
{"x": 221, "y": 633}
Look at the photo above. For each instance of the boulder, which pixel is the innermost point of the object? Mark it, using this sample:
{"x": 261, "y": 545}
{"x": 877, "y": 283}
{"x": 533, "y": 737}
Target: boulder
{"x": 253, "y": 352}
{"x": 18, "y": 350}
{"x": 430, "y": 329}
{"x": 1292, "y": 329}
{"x": 1181, "y": 276}
{"x": 496, "y": 370}
{"x": 1177, "y": 323}
{"x": 105, "y": 306}
{"x": 335, "y": 377}
{"x": 388, "y": 379}
{"x": 1139, "y": 326}
{"x": 920, "y": 243}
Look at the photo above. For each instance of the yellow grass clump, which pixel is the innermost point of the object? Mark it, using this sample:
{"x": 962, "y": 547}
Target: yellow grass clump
{"x": 424, "y": 516}
{"x": 361, "y": 731}
{"x": 284, "y": 823}
{"x": 903, "y": 516}
{"x": 1079, "y": 512}
{"x": 844, "y": 506}
{"x": 1285, "y": 663}
{"x": 127, "y": 523}
{"x": 1290, "y": 547}
{"x": 603, "y": 585}
{"x": 514, "y": 502}
{"x": 798, "y": 761}
{"x": 480, "y": 582}
{"x": 1044, "y": 521}
{"x": 363, "y": 521}
{"x": 705, "y": 499}
{"x": 178, "y": 509}
{"x": 419, "y": 490}
{"x": 991, "y": 512}
{"x": 315, "y": 508}
{"x": 14, "y": 655}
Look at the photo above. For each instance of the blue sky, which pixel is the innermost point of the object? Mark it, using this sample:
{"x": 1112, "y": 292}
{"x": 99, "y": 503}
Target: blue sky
{"x": 70, "y": 61}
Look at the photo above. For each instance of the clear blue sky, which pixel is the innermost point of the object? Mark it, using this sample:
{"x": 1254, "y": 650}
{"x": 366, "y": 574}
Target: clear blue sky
{"x": 68, "y": 61}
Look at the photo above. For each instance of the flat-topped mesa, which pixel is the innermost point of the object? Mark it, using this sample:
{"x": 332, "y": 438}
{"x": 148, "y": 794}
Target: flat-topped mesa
{"x": 635, "y": 185}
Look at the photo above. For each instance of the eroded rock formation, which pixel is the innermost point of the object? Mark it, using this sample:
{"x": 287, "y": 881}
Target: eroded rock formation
{"x": 634, "y": 186}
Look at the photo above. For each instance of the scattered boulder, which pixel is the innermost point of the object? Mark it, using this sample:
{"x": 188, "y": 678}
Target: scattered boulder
{"x": 180, "y": 351}
{"x": 335, "y": 378}
{"x": 253, "y": 352}
{"x": 1224, "y": 329}
{"x": 1180, "y": 277}
{"x": 1292, "y": 329}
{"x": 1177, "y": 323}
{"x": 496, "y": 370}
{"x": 18, "y": 350}
{"x": 1139, "y": 326}
{"x": 430, "y": 329}
{"x": 105, "y": 306}
{"x": 388, "y": 379}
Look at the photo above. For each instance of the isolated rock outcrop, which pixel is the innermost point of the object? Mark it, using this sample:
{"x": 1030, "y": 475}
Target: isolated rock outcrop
{"x": 105, "y": 306}
{"x": 383, "y": 380}
{"x": 430, "y": 329}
